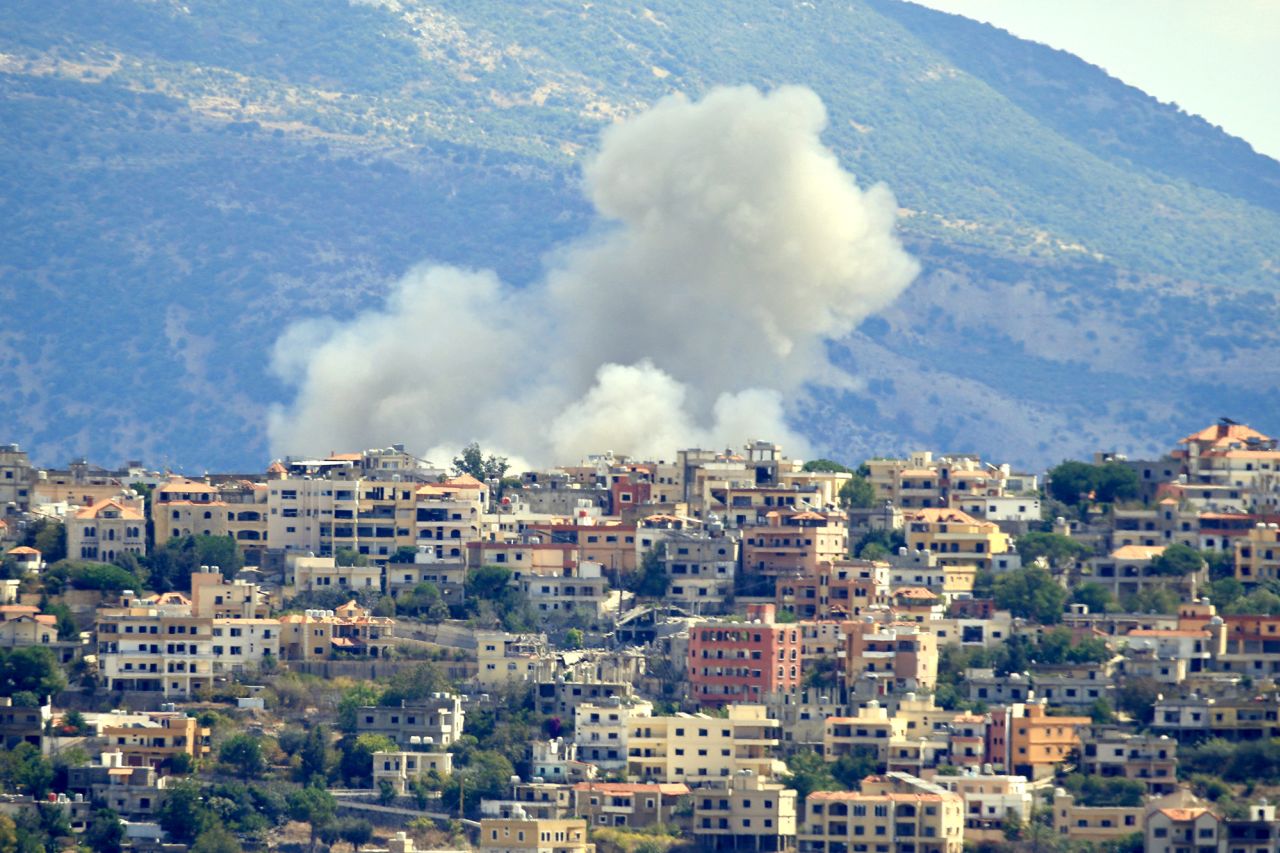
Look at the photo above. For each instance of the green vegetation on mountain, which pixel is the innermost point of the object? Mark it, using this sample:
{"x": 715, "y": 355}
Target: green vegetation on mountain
{"x": 180, "y": 180}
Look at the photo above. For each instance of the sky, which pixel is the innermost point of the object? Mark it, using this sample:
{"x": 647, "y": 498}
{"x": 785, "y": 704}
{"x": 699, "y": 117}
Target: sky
{"x": 1219, "y": 59}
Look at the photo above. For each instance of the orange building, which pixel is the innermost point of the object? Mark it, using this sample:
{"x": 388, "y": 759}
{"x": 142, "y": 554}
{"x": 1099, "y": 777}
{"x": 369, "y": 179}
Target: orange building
{"x": 835, "y": 590}
{"x": 743, "y": 661}
{"x": 792, "y": 544}
{"x": 1030, "y": 742}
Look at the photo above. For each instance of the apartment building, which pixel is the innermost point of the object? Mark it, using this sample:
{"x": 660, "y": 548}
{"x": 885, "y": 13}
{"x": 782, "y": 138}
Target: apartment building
{"x": 17, "y": 477}
{"x": 503, "y": 658}
{"x": 990, "y": 802}
{"x": 184, "y": 507}
{"x": 1182, "y": 830}
{"x": 903, "y": 656}
{"x": 793, "y": 543}
{"x": 580, "y": 588}
{"x": 107, "y": 529}
{"x": 522, "y": 835}
{"x": 561, "y": 696}
{"x": 349, "y": 630}
{"x": 956, "y": 537}
{"x": 894, "y": 821}
{"x": 448, "y": 515}
{"x": 155, "y": 646}
{"x": 628, "y": 804}
{"x": 24, "y": 625}
{"x": 696, "y": 748}
{"x": 449, "y": 577}
{"x": 1129, "y": 570}
{"x": 401, "y": 769}
{"x": 317, "y": 574}
{"x": 743, "y": 661}
{"x": 153, "y": 739}
{"x": 1093, "y": 824}
{"x": 1024, "y": 739}
{"x": 745, "y": 812}
{"x": 841, "y": 589}
{"x": 600, "y": 730}
{"x": 1257, "y": 554}
{"x": 870, "y": 731}
{"x": 700, "y": 568}
{"x": 435, "y": 722}
{"x": 1149, "y": 759}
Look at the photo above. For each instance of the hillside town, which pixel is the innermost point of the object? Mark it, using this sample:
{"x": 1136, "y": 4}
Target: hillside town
{"x": 723, "y": 650}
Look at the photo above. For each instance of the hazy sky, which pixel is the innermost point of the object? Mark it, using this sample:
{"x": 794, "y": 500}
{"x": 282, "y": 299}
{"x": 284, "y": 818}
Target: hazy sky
{"x": 1217, "y": 58}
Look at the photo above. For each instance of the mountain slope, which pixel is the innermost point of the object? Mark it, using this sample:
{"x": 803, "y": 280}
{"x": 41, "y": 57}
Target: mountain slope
{"x": 180, "y": 180}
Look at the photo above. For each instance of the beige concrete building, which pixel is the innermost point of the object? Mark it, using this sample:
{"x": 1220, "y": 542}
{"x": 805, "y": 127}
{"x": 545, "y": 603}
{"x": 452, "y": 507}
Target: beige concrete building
{"x": 156, "y": 738}
{"x": 745, "y": 812}
{"x": 349, "y": 630}
{"x": 924, "y": 822}
{"x": 401, "y": 769}
{"x": 956, "y": 537}
{"x": 990, "y": 802}
{"x": 697, "y": 748}
{"x": 1093, "y": 824}
{"x": 516, "y": 835}
{"x": 318, "y": 574}
{"x": 107, "y": 529}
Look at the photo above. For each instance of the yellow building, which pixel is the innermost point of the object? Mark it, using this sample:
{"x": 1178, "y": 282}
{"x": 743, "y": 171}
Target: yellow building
{"x": 1094, "y": 824}
{"x": 315, "y": 574}
{"x": 697, "y": 748}
{"x": 155, "y": 740}
{"x": 745, "y": 812}
{"x": 107, "y": 529}
{"x": 1258, "y": 555}
{"x": 348, "y": 630}
{"x": 838, "y": 821}
{"x": 516, "y": 835}
{"x": 504, "y": 658}
{"x": 956, "y": 537}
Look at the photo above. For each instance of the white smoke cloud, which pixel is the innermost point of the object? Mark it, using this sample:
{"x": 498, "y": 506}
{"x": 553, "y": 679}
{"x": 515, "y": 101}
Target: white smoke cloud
{"x": 733, "y": 247}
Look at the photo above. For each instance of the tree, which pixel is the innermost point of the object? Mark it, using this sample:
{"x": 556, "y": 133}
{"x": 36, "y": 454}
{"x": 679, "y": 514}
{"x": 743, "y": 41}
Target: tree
{"x": 8, "y": 835}
{"x": 825, "y": 466}
{"x": 244, "y": 753}
{"x": 1114, "y": 481}
{"x": 25, "y": 770}
{"x": 172, "y": 564}
{"x": 49, "y": 537}
{"x": 1177, "y": 560}
{"x": 1057, "y": 550}
{"x": 808, "y": 772}
{"x": 1031, "y": 593}
{"x": 314, "y": 761}
{"x": 355, "y": 832}
{"x": 573, "y": 638}
{"x": 215, "y": 839}
{"x": 858, "y": 493}
{"x": 356, "y": 764}
{"x": 183, "y": 814}
{"x": 105, "y": 833}
{"x": 473, "y": 462}
{"x": 887, "y": 543}
{"x": 1152, "y": 599}
{"x": 1137, "y": 697}
{"x": 386, "y": 792}
{"x": 651, "y": 580}
{"x": 1071, "y": 482}
{"x": 1095, "y": 596}
{"x": 314, "y": 806}
{"x": 485, "y": 776}
{"x": 1260, "y": 602}
{"x": 350, "y": 557}
{"x": 859, "y": 763}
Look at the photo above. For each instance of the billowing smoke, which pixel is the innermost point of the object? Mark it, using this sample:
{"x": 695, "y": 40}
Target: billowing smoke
{"x": 732, "y": 248}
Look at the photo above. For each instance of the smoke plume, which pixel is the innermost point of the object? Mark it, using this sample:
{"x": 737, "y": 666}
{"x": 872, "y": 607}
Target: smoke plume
{"x": 732, "y": 246}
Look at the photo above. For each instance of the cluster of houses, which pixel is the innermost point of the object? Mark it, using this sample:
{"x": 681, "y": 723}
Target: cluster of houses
{"x": 771, "y": 638}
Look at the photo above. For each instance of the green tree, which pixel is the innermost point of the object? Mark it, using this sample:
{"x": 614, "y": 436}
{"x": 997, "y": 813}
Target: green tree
{"x": 825, "y": 466}
{"x": 1072, "y": 482}
{"x": 8, "y": 835}
{"x": 573, "y": 638}
{"x": 33, "y": 669}
{"x": 355, "y": 832}
{"x": 386, "y": 792}
{"x": 1059, "y": 551}
{"x": 244, "y": 753}
{"x": 314, "y": 760}
{"x": 183, "y": 815}
{"x": 350, "y": 557}
{"x": 808, "y": 772}
{"x": 356, "y": 764}
{"x": 1177, "y": 560}
{"x": 881, "y": 543}
{"x": 858, "y": 493}
{"x": 1152, "y": 599}
{"x": 1137, "y": 697}
{"x": 355, "y": 698}
{"x": 216, "y": 839}
{"x": 859, "y": 763}
{"x": 1095, "y": 596}
{"x": 313, "y": 806}
{"x": 651, "y": 580}
{"x": 1031, "y": 593}
{"x": 105, "y": 833}
{"x": 486, "y": 775}
{"x": 24, "y": 770}
{"x": 1260, "y": 602}
{"x": 49, "y": 537}
{"x": 1114, "y": 481}
{"x": 1102, "y": 713}
{"x": 474, "y": 462}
